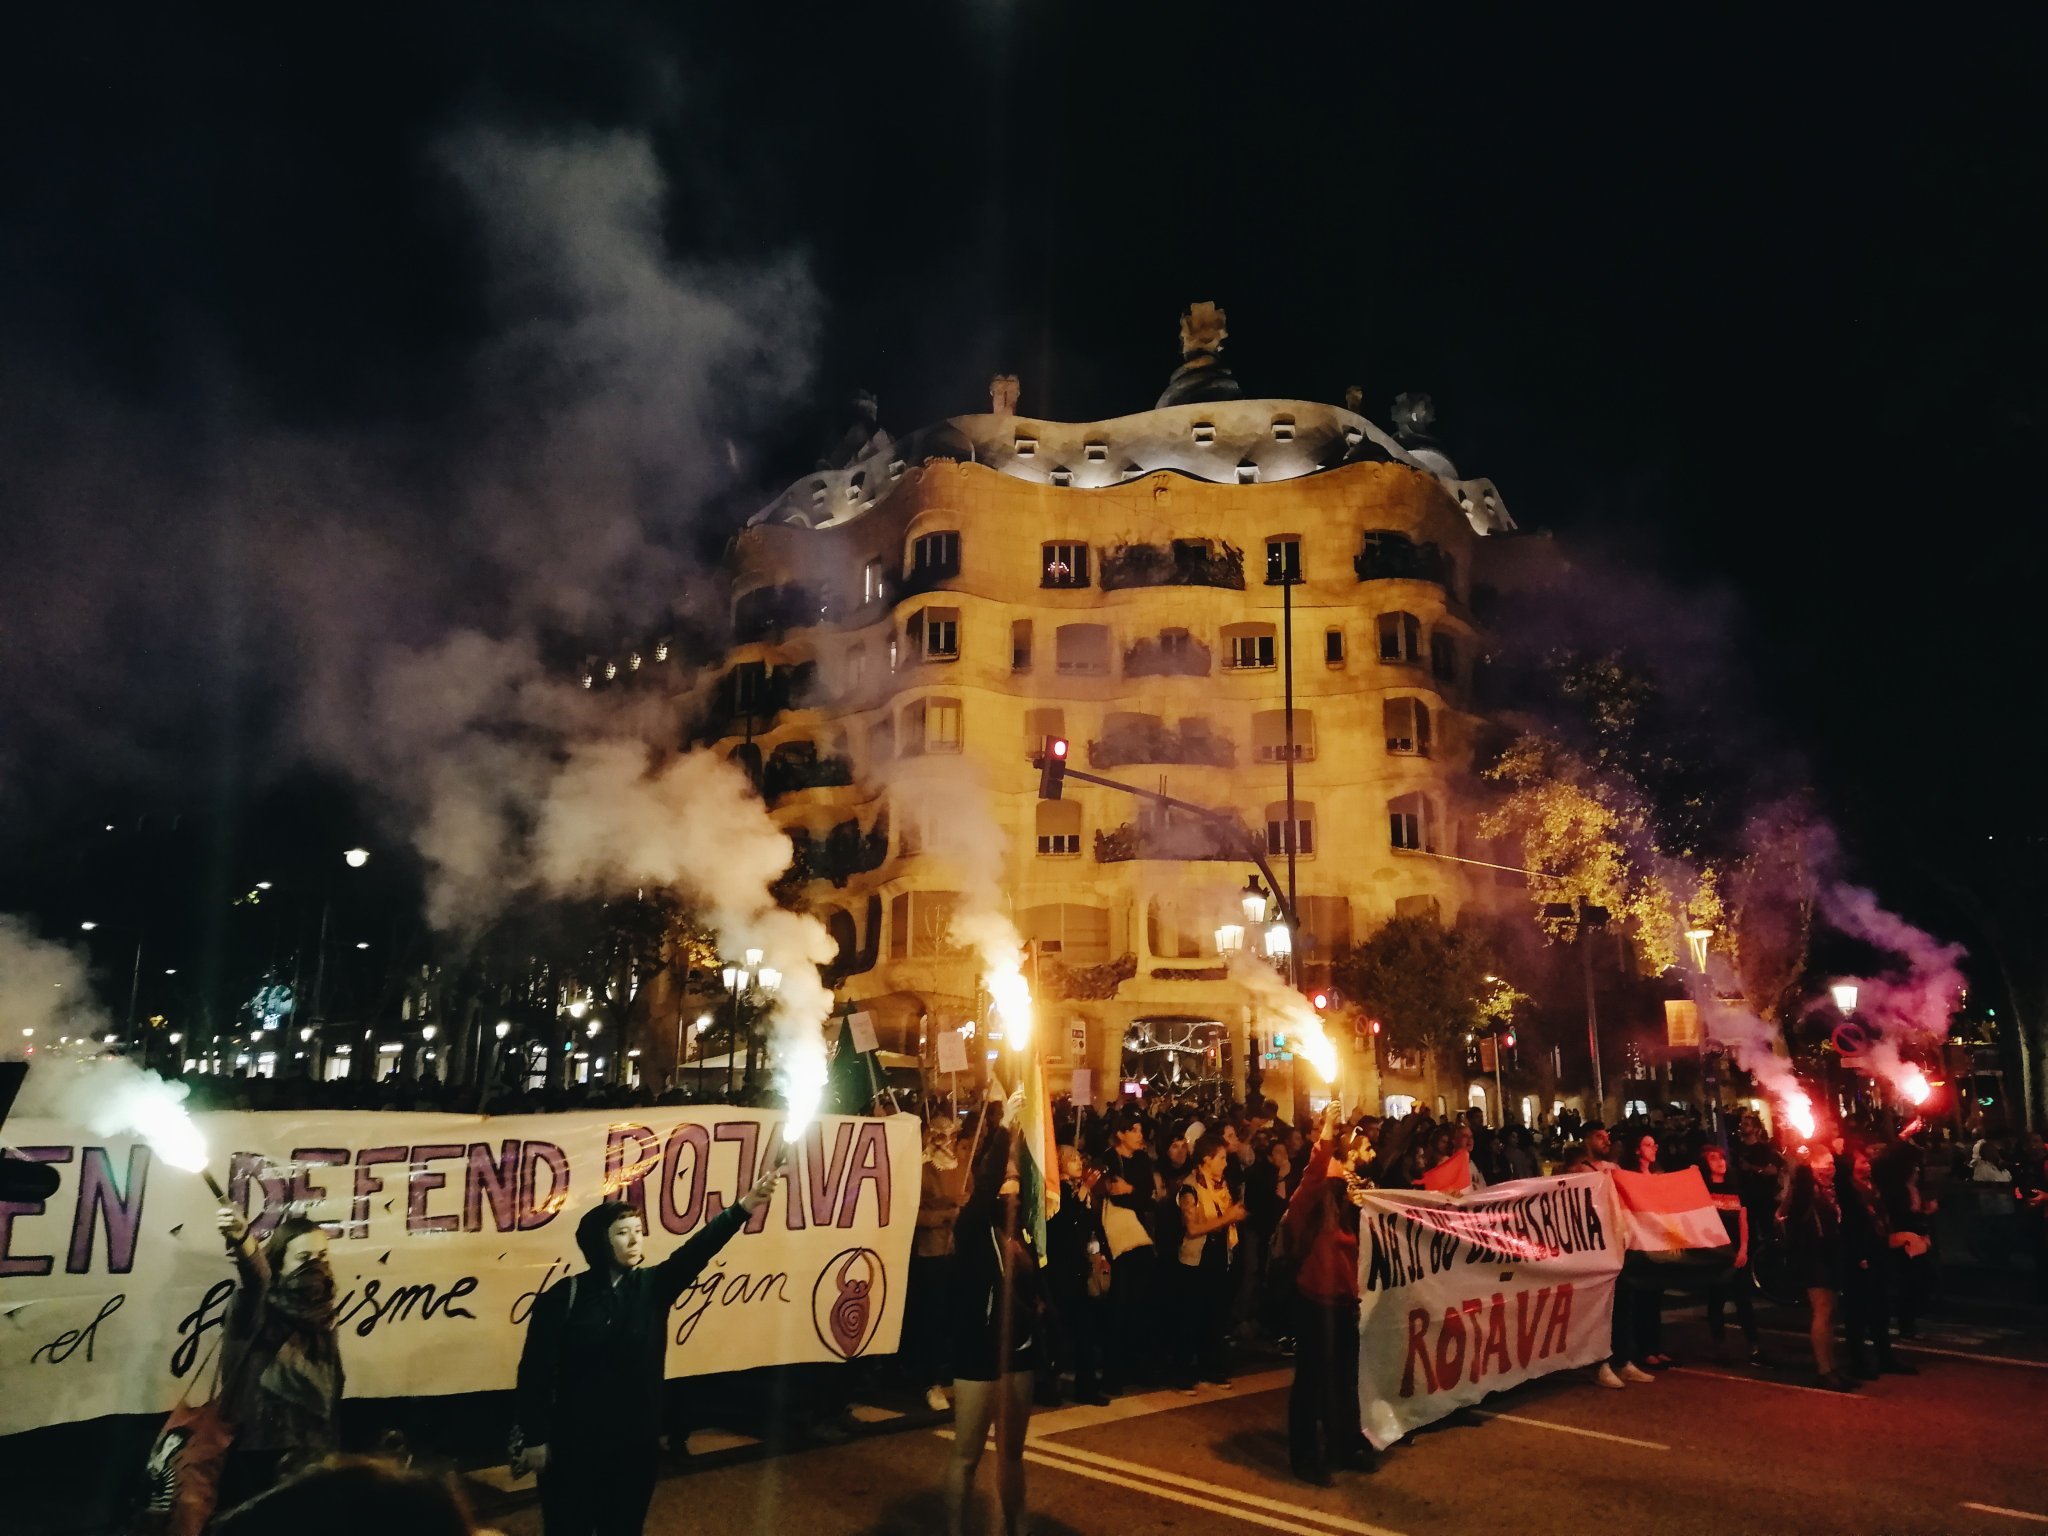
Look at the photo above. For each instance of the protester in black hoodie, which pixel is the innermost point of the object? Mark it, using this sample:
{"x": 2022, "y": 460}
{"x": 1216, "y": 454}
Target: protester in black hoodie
{"x": 590, "y": 1377}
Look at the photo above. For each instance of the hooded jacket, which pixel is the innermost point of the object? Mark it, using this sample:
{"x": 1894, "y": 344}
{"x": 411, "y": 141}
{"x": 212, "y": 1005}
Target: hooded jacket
{"x": 594, "y": 1368}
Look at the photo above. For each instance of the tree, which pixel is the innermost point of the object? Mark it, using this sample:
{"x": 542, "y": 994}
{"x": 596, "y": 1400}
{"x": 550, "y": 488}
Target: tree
{"x": 1425, "y": 983}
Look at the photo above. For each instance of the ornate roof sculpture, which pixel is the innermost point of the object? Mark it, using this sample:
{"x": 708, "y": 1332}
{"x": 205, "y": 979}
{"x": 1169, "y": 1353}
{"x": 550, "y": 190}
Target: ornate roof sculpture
{"x": 1203, "y": 427}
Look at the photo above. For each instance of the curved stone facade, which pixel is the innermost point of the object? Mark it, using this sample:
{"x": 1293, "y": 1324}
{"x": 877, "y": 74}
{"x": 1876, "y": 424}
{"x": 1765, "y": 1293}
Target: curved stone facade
{"x": 902, "y": 651}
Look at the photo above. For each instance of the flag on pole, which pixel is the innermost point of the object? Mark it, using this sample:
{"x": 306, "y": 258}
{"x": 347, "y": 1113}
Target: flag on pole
{"x": 1038, "y": 1191}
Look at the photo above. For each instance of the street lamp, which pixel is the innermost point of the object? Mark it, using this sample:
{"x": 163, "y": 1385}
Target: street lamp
{"x": 1254, "y": 900}
{"x": 1279, "y": 942}
{"x": 135, "y": 971}
{"x": 1844, "y": 994}
{"x": 1697, "y": 938}
{"x": 1229, "y": 939}
{"x": 355, "y": 858}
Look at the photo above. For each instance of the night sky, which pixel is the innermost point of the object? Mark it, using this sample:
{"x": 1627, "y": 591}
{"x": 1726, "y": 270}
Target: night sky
{"x": 1748, "y": 302}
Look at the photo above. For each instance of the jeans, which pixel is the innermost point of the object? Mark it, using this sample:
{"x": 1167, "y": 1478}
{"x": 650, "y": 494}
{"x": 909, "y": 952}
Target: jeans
{"x": 1134, "y": 1316}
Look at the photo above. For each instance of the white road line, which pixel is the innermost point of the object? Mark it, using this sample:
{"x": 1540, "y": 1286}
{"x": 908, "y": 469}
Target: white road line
{"x": 1767, "y": 1381}
{"x": 1250, "y": 1516}
{"x": 868, "y": 1413}
{"x": 1929, "y": 1349}
{"x": 1058, "y": 1421}
{"x": 1573, "y": 1429}
{"x": 1067, "y": 1453}
{"x": 2017, "y": 1514}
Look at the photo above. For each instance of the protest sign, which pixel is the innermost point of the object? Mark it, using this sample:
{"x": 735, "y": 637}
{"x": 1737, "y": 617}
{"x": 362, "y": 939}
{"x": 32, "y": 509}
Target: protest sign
{"x": 1460, "y": 1297}
{"x": 952, "y": 1051}
{"x": 862, "y": 1027}
{"x": 445, "y": 1230}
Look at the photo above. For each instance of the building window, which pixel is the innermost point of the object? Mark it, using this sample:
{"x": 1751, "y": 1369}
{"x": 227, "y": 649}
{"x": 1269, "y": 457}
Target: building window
{"x": 1283, "y": 560}
{"x": 1063, "y": 476}
{"x": 936, "y": 554}
{"x": 1303, "y": 829}
{"x": 856, "y": 669}
{"x": 1269, "y": 736}
{"x": 938, "y": 631}
{"x": 1283, "y": 429}
{"x": 1020, "y": 645}
{"x": 1247, "y": 646}
{"x": 1082, "y": 650}
{"x": 1205, "y": 432}
{"x": 1063, "y": 565}
{"x": 1077, "y": 935}
{"x": 931, "y": 725}
{"x": 1443, "y": 656}
{"x": 1325, "y": 926}
{"x": 1059, "y": 828}
{"x": 1026, "y": 447}
{"x": 1039, "y": 724}
{"x": 1247, "y": 473}
{"x": 1400, "y": 638}
{"x": 1096, "y": 453}
{"x": 1411, "y": 823}
{"x": 1418, "y": 906}
{"x": 1407, "y": 722}
{"x": 1176, "y": 934}
{"x": 873, "y": 583}
{"x": 921, "y": 924}
{"x": 1333, "y": 647}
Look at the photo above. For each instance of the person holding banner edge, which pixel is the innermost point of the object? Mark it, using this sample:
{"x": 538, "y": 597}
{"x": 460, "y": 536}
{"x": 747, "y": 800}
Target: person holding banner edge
{"x": 1321, "y": 1232}
{"x": 590, "y": 1377}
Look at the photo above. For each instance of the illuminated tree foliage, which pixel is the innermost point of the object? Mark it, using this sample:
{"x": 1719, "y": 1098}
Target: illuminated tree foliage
{"x": 1426, "y": 984}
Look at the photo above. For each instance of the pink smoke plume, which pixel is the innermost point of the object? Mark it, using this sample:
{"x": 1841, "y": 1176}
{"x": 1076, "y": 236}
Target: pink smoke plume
{"x": 1909, "y": 1005}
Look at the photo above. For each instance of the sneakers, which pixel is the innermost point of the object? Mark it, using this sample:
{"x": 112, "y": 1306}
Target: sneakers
{"x": 1606, "y": 1377}
{"x": 1633, "y": 1372}
{"x": 935, "y": 1399}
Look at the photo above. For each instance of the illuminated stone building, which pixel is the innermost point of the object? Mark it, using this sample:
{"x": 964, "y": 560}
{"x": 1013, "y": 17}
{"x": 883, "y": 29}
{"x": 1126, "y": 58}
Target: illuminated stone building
{"x": 910, "y": 624}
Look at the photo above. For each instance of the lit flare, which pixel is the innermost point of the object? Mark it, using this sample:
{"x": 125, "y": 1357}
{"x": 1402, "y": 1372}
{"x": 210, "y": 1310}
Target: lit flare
{"x": 1913, "y": 1084}
{"x": 803, "y": 1088}
{"x": 1799, "y": 1110}
{"x": 1320, "y": 1051}
{"x": 1010, "y": 996}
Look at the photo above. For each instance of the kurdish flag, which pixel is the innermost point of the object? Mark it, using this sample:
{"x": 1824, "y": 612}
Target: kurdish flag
{"x": 1037, "y": 1165}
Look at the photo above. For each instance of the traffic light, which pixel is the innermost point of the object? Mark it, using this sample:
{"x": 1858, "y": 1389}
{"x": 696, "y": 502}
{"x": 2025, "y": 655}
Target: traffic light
{"x": 1052, "y": 768}
{"x": 1508, "y": 1039}
{"x": 1320, "y": 1001}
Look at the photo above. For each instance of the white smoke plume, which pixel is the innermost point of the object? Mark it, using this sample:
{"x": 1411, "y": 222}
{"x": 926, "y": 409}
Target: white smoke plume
{"x": 1289, "y": 1010}
{"x": 45, "y": 995}
{"x": 958, "y": 825}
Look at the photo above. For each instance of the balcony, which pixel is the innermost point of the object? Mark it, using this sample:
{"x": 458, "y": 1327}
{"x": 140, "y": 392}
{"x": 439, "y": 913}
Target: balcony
{"x": 1389, "y": 557}
{"x": 1154, "y": 657}
{"x": 1183, "y": 563}
{"x": 927, "y": 578}
{"x": 752, "y": 694}
{"x": 1162, "y": 743}
{"x": 796, "y": 765}
{"x": 840, "y": 854}
{"x": 1185, "y": 839}
{"x": 769, "y": 611}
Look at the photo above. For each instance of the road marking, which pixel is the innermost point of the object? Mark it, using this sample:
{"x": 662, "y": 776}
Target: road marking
{"x": 1159, "y": 1475}
{"x": 1083, "y": 1416}
{"x": 2017, "y": 1514}
{"x": 708, "y": 1442}
{"x": 1572, "y": 1429}
{"x": 1765, "y": 1381}
{"x": 868, "y": 1413}
{"x": 1251, "y": 1516}
{"x": 1929, "y": 1349}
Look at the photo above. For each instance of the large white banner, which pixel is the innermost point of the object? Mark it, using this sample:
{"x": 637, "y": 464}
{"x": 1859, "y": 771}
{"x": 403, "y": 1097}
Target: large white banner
{"x": 445, "y": 1229}
{"x": 1463, "y": 1295}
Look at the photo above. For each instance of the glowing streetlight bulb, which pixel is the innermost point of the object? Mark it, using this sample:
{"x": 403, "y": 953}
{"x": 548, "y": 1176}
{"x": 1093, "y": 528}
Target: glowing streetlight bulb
{"x": 1254, "y": 902}
{"x": 770, "y": 979}
{"x": 1844, "y": 994}
{"x": 356, "y": 858}
{"x": 504, "y": 1028}
{"x": 733, "y": 977}
{"x": 593, "y": 1028}
{"x": 1229, "y": 938}
{"x": 753, "y": 959}
{"x": 426, "y": 1031}
{"x": 263, "y": 885}
{"x": 87, "y": 927}
{"x": 1278, "y": 940}
{"x": 578, "y": 1008}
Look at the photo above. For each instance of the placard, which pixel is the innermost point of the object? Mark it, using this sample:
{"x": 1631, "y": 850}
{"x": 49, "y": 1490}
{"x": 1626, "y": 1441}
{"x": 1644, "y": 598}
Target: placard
{"x": 862, "y": 1027}
{"x": 952, "y": 1051}
{"x": 1083, "y": 1091}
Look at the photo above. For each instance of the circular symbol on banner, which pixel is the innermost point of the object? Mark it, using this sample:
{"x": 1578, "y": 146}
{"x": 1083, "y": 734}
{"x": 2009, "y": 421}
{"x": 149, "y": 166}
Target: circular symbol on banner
{"x": 847, "y": 1301}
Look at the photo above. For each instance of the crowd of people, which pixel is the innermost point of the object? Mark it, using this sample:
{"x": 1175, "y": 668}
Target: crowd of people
{"x": 1193, "y": 1232}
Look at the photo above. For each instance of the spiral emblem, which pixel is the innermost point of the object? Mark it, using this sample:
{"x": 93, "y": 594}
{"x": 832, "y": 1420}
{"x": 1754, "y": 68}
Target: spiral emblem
{"x": 848, "y": 1301}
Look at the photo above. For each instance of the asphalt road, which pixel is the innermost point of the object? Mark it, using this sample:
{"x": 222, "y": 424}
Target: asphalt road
{"x": 1962, "y": 1447}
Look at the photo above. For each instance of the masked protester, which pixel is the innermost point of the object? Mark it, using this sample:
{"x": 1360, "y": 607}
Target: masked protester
{"x": 281, "y": 1374}
{"x": 590, "y": 1377}
{"x": 997, "y": 1306}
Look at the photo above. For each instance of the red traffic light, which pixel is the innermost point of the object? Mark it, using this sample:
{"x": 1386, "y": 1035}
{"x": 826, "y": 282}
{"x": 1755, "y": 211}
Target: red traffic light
{"x": 1508, "y": 1039}
{"x": 1319, "y": 1001}
{"x": 1052, "y": 768}
{"x": 1375, "y": 1026}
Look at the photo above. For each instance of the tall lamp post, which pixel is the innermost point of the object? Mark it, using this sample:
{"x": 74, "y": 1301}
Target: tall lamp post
{"x": 745, "y": 982}
{"x": 1581, "y": 920}
{"x": 134, "y": 972}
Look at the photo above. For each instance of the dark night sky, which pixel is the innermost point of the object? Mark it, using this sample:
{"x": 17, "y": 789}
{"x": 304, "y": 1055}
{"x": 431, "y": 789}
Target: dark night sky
{"x": 1750, "y": 300}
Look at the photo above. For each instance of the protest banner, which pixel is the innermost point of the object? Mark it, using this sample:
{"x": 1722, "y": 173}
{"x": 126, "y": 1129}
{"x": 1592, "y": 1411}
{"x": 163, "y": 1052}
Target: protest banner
{"x": 445, "y": 1229}
{"x": 1463, "y": 1296}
